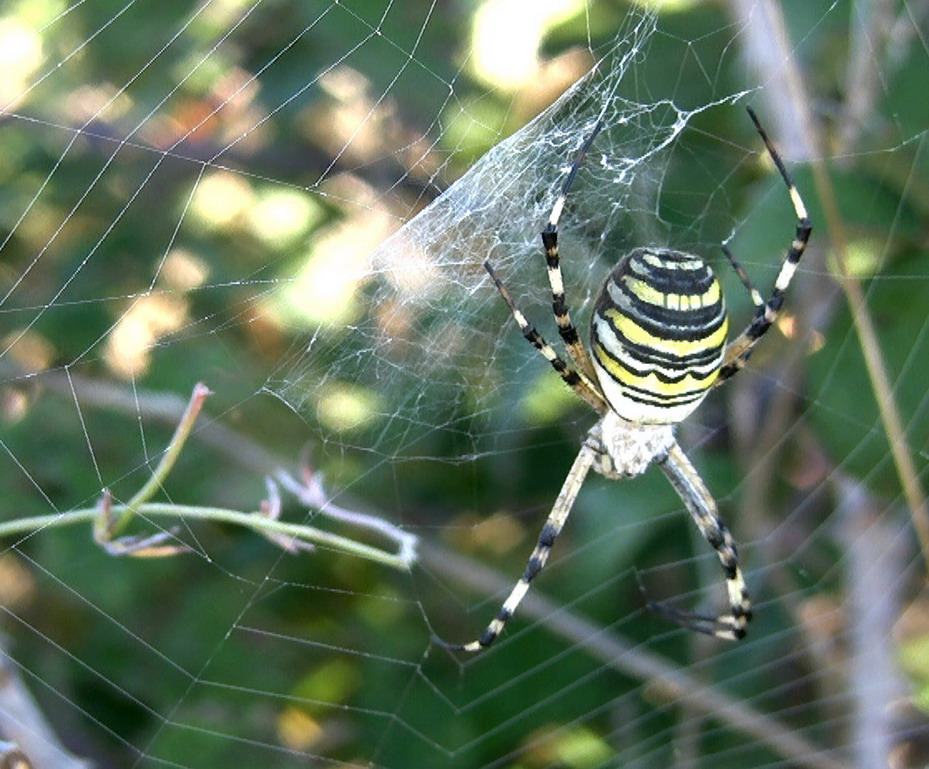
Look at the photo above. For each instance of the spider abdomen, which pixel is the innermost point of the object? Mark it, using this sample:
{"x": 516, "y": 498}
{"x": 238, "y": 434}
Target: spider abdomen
{"x": 658, "y": 335}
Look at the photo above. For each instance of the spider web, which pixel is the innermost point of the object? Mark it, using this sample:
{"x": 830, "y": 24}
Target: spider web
{"x": 424, "y": 293}
{"x": 291, "y": 202}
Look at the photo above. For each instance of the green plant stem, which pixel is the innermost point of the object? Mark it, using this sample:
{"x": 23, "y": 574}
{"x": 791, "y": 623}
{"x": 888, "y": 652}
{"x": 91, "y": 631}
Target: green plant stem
{"x": 251, "y": 521}
{"x": 171, "y": 453}
{"x": 874, "y": 362}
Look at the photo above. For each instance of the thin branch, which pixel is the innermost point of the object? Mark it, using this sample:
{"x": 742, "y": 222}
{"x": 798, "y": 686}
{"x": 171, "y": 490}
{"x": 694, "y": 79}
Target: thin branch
{"x": 876, "y": 560}
{"x": 312, "y": 494}
{"x": 271, "y": 508}
{"x": 250, "y": 520}
{"x": 109, "y": 519}
{"x": 25, "y": 727}
{"x": 665, "y": 679}
{"x": 168, "y": 458}
{"x": 869, "y": 40}
{"x": 765, "y": 47}
{"x": 871, "y": 27}
{"x": 874, "y": 362}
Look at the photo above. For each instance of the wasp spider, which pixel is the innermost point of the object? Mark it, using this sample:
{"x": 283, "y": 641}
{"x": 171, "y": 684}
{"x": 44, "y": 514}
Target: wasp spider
{"x": 658, "y": 345}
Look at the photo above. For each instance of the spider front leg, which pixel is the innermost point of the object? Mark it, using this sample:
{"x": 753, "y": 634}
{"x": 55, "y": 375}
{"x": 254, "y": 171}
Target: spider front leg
{"x": 550, "y": 531}
{"x": 740, "y": 348}
{"x": 566, "y": 328}
{"x": 696, "y": 497}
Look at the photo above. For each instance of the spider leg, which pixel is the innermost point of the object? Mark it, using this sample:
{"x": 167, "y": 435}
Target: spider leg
{"x": 550, "y": 531}
{"x": 696, "y": 497}
{"x": 566, "y": 328}
{"x": 740, "y": 348}
{"x": 757, "y": 298}
{"x": 580, "y": 382}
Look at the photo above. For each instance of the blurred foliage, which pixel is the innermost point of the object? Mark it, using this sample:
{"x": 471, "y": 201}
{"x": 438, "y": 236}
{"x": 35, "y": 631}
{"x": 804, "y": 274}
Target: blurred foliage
{"x": 146, "y": 663}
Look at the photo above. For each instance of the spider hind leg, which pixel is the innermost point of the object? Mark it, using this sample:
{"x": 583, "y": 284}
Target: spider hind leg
{"x": 696, "y": 497}
{"x": 730, "y": 627}
{"x": 547, "y": 537}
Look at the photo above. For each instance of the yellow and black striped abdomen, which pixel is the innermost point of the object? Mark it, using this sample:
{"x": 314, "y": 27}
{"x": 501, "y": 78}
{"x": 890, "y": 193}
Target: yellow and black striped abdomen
{"x": 658, "y": 335}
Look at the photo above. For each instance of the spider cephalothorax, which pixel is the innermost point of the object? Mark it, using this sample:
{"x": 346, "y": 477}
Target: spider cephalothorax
{"x": 658, "y": 345}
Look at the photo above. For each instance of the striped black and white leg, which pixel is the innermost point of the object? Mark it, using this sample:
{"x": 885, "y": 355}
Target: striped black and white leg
{"x": 757, "y": 298}
{"x": 696, "y": 497}
{"x": 550, "y": 531}
{"x": 577, "y": 381}
{"x": 738, "y": 351}
{"x": 566, "y": 328}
